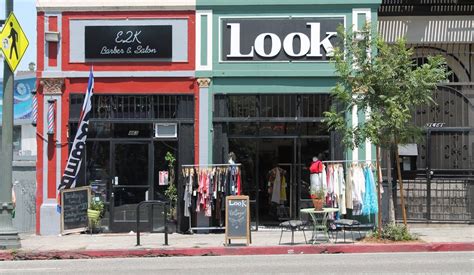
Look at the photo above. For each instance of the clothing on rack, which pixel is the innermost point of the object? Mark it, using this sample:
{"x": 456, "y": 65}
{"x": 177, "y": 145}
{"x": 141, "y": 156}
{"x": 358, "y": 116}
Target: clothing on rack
{"x": 358, "y": 184}
{"x": 205, "y": 189}
{"x": 277, "y": 185}
{"x": 349, "y": 188}
{"x": 188, "y": 191}
{"x": 370, "y": 204}
{"x": 352, "y": 188}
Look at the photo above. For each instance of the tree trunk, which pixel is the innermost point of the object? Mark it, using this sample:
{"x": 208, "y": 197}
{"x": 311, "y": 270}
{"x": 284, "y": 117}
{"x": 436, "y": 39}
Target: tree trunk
{"x": 400, "y": 180}
{"x": 391, "y": 208}
{"x": 379, "y": 197}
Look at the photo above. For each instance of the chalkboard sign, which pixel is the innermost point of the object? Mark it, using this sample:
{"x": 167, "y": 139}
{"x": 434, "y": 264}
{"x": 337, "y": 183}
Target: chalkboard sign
{"x": 237, "y": 218}
{"x": 74, "y": 205}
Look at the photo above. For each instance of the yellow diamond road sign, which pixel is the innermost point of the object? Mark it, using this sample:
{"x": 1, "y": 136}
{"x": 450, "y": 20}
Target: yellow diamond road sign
{"x": 13, "y": 41}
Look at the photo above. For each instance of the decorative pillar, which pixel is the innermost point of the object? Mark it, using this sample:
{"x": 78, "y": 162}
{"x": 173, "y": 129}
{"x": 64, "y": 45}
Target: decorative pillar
{"x": 50, "y": 156}
{"x": 204, "y": 120}
{"x": 204, "y": 135}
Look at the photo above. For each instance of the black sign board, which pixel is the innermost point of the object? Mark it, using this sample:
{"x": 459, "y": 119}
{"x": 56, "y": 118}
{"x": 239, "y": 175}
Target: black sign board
{"x": 279, "y": 39}
{"x": 74, "y": 205}
{"x": 237, "y": 218}
{"x": 128, "y": 42}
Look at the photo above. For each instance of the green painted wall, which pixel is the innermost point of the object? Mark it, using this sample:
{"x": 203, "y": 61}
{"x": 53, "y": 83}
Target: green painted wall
{"x": 272, "y": 77}
{"x": 273, "y": 85}
{"x": 268, "y": 69}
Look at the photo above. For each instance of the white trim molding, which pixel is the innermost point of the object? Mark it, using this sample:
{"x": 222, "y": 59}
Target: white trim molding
{"x": 118, "y": 74}
{"x": 200, "y": 66}
{"x": 355, "y": 17}
{"x": 116, "y": 5}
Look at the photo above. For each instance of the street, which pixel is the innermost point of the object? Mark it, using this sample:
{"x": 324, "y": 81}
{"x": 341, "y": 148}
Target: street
{"x": 389, "y": 263}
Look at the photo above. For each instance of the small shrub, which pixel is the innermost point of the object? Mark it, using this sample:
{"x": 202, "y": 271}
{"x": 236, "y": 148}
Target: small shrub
{"x": 395, "y": 232}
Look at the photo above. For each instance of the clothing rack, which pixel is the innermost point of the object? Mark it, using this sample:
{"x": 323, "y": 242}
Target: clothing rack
{"x": 192, "y": 229}
{"x": 208, "y": 165}
{"x": 345, "y": 161}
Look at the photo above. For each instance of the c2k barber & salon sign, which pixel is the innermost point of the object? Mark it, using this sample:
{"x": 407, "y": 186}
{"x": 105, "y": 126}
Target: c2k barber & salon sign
{"x": 279, "y": 38}
{"x": 128, "y": 42}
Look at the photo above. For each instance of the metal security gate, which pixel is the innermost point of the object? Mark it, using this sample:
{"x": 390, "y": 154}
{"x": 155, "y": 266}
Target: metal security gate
{"x": 440, "y": 188}
{"x": 438, "y": 199}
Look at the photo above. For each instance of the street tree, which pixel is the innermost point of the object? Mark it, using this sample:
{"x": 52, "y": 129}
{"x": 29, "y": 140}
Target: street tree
{"x": 383, "y": 82}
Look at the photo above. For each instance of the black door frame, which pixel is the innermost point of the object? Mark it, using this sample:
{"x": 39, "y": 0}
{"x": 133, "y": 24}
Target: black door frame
{"x": 296, "y": 173}
{"x": 114, "y": 227}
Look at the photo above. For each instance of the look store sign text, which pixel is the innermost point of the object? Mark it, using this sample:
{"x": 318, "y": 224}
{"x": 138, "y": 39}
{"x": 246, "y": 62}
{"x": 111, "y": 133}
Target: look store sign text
{"x": 14, "y": 42}
{"x": 279, "y": 38}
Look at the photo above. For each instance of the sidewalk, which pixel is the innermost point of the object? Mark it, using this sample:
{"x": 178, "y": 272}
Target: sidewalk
{"x": 433, "y": 238}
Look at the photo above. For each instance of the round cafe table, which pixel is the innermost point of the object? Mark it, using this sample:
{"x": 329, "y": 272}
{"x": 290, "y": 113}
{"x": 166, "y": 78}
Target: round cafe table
{"x": 320, "y": 221}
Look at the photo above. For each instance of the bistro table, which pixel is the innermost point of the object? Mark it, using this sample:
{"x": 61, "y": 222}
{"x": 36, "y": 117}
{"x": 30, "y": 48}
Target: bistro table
{"x": 320, "y": 220}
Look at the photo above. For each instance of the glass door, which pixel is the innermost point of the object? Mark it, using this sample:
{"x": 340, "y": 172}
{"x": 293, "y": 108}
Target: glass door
{"x": 130, "y": 184}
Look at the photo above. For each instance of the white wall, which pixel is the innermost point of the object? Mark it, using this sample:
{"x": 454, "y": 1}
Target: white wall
{"x": 28, "y": 140}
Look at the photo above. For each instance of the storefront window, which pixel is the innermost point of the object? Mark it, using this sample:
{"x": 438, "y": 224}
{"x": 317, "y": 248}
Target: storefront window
{"x": 242, "y": 129}
{"x": 132, "y": 130}
{"x": 309, "y": 149}
{"x": 278, "y": 105}
{"x": 282, "y": 128}
{"x": 246, "y": 153}
{"x": 99, "y": 129}
{"x": 315, "y": 105}
{"x": 132, "y": 107}
{"x": 161, "y": 182}
{"x": 98, "y": 165}
{"x": 314, "y": 129}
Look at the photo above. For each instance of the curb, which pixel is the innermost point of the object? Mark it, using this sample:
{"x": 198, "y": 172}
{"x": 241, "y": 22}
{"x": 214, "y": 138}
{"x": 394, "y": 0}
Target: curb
{"x": 233, "y": 251}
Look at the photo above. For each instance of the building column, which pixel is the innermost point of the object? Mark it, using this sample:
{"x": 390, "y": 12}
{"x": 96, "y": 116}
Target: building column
{"x": 50, "y": 135}
{"x": 204, "y": 135}
{"x": 205, "y": 123}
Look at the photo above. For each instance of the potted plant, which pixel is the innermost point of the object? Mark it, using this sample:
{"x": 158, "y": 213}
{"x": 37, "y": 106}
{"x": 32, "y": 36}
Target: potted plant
{"x": 318, "y": 196}
{"x": 171, "y": 192}
{"x": 95, "y": 214}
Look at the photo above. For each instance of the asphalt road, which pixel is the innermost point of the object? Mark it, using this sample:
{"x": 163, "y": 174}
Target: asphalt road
{"x": 380, "y": 263}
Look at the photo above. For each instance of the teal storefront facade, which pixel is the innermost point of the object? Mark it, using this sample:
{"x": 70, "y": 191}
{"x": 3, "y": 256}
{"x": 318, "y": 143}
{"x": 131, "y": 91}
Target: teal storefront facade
{"x": 264, "y": 76}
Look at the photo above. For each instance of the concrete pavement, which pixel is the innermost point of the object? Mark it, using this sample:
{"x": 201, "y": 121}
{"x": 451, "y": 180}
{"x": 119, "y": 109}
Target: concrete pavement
{"x": 432, "y": 238}
{"x": 382, "y": 263}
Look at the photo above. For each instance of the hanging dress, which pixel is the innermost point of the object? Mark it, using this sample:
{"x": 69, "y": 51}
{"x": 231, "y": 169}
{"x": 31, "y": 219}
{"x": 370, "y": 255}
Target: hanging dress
{"x": 276, "y": 187}
{"x": 370, "y": 204}
{"x": 342, "y": 191}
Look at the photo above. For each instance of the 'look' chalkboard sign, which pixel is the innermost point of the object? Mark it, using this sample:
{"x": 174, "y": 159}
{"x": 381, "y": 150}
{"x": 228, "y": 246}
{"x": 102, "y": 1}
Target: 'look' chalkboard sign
{"x": 74, "y": 205}
{"x": 237, "y": 218}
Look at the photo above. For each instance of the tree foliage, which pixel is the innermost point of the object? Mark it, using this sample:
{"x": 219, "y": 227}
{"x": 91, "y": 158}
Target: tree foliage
{"x": 385, "y": 84}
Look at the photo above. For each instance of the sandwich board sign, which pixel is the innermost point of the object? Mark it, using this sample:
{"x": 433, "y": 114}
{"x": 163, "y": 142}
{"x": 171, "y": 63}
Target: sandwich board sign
{"x": 237, "y": 219}
{"x": 14, "y": 42}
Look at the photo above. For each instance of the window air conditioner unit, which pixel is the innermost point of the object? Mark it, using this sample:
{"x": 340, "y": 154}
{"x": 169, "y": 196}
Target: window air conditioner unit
{"x": 166, "y": 130}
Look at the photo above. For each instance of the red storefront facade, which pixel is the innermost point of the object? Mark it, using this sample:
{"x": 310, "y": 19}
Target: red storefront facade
{"x": 133, "y": 96}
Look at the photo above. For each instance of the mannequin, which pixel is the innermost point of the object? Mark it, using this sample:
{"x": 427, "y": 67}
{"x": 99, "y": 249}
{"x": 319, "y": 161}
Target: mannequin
{"x": 316, "y": 169}
{"x": 232, "y": 158}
